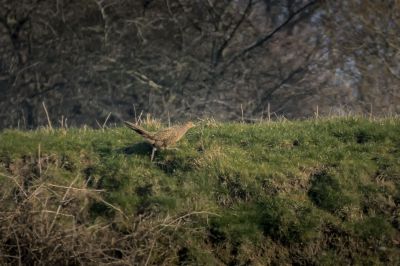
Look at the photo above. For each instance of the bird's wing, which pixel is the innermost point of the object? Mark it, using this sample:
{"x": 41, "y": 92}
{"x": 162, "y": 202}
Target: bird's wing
{"x": 165, "y": 134}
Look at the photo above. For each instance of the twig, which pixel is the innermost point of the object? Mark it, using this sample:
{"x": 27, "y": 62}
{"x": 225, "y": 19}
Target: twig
{"x": 112, "y": 206}
{"x": 187, "y": 215}
{"x": 146, "y": 80}
{"x": 60, "y": 206}
{"x": 317, "y": 113}
{"x": 34, "y": 193}
{"x": 60, "y": 213}
{"x": 23, "y": 119}
{"x": 18, "y": 247}
{"x": 62, "y": 123}
{"x": 105, "y": 122}
{"x": 370, "y": 112}
{"x": 39, "y": 161}
{"x": 241, "y": 108}
{"x": 140, "y": 117}
{"x": 151, "y": 250}
{"x": 16, "y": 182}
{"x": 134, "y": 111}
{"x": 22, "y": 70}
{"x": 48, "y": 117}
{"x": 74, "y": 188}
{"x": 271, "y": 34}
{"x": 97, "y": 122}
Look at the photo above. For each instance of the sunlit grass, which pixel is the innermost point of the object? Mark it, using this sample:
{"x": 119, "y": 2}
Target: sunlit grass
{"x": 308, "y": 190}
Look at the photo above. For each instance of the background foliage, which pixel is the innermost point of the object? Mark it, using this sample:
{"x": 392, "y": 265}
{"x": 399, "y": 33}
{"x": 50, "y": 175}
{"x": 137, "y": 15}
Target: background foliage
{"x": 181, "y": 58}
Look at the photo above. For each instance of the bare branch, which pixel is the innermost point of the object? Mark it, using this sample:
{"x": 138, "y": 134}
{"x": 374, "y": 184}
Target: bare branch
{"x": 221, "y": 49}
{"x": 267, "y": 37}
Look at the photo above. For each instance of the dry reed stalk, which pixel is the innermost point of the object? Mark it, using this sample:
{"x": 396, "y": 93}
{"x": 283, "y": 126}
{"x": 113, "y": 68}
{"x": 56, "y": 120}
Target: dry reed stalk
{"x": 105, "y": 122}
{"x": 48, "y": 117}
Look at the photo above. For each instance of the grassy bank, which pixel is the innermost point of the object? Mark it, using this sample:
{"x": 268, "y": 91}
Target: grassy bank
{"x": 323, "y": 192}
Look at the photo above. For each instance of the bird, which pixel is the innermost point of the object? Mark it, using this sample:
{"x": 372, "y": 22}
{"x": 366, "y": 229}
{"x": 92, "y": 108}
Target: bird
{"x": 162, "y": 139}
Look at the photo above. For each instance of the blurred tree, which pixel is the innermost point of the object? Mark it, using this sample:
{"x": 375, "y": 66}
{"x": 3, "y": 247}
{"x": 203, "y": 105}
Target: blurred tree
{"x": 365, "y": 51}
{"x": 177, "y": 58}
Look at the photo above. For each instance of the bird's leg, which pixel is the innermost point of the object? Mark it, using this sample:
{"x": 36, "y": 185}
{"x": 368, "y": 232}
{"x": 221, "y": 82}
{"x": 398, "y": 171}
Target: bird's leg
{"x": 152, "y": 153}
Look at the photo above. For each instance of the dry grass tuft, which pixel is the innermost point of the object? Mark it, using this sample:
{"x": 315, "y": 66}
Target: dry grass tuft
{"x": 51, "y": 224}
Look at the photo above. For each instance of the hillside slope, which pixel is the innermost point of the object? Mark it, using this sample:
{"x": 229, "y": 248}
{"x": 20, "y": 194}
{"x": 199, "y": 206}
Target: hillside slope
{"x": 323, "y": 192}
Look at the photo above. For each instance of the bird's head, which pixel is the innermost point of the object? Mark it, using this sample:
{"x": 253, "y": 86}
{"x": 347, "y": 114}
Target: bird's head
{"x": 190, "y": 124}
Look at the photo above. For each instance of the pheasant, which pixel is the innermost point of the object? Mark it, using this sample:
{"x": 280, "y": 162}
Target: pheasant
{"x": 163, "y": 138}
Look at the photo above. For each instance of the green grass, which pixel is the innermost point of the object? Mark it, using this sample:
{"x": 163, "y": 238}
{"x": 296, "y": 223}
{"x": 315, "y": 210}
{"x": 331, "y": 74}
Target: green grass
{"x": 320, "y": 192}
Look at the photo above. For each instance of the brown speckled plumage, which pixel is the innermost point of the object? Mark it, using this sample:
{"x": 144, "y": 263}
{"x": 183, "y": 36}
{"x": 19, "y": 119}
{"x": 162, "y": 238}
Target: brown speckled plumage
{"x": 164, "y": 138}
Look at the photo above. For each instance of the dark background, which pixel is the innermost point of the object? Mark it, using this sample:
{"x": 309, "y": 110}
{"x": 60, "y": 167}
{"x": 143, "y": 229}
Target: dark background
{"x": 183, "y": 59}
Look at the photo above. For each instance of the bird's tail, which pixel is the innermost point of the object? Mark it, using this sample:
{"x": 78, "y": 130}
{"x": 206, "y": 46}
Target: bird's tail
{"x": 138, "y": 130}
